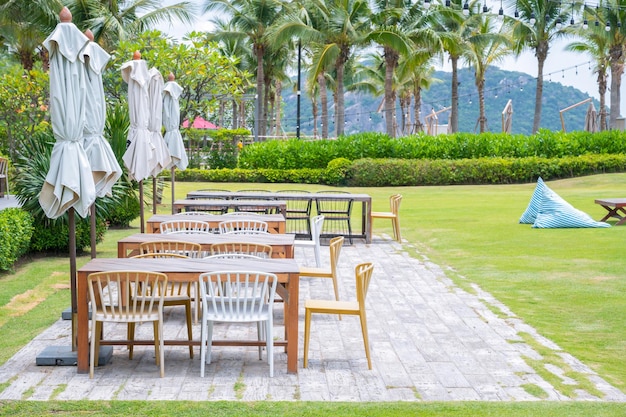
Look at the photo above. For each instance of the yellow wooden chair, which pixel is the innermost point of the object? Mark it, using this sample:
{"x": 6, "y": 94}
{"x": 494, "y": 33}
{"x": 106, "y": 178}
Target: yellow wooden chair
{"x": 335, "y": 250}
{"x": 363, "y": 273}
{"x": 126, "y": 297}
{"x": 393, "y": 215}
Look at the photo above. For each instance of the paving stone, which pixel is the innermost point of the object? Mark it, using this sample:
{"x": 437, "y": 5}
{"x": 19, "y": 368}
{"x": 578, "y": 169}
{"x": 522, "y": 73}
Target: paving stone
{"x": 430, "y": 341}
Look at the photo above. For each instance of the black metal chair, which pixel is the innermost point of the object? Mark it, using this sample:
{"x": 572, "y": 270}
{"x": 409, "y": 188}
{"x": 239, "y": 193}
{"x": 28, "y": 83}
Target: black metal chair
{"x": 298, "y": 214}
{"x": 335, "y": 211}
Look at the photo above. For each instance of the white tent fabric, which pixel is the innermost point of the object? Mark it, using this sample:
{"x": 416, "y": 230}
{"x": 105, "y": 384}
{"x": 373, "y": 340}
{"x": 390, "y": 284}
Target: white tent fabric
{"x": 140, "y": 156}
{"x": 104, "y": 166}
{"x": 155, "y": 94}
{"x": 171, "y": 121}
{"x": 69, "y": 182}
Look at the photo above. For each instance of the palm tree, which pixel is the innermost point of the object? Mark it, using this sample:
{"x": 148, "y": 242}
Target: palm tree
{"x": 613, "y": 14}
{"x": 595, "y": 42}
{"x": 452, "y": 26}
{"x": 486, "y": 46}
{"x": 113, "y": 21}
{"x": 250, "y": 20}
{"x": 337, "y": 25}
{"x": 390, "y": 19}
{"x": 536, "y": 25}
{"x": 24, "y": 24}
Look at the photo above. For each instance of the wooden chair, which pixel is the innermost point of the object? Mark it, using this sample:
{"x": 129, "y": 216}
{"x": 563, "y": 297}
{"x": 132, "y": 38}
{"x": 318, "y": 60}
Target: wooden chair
{"x": 393, "y": 215}
{"x": 4, "y": 177}
{"x": 363, "y": 273}
{"x": 316, "y": 230}
{"x": 237, "y": 297}
{"x": 335, "y": 250}
{"x": 127, "y": 297}
{"x": 186, "y": 249}
{"x": 247, "y": 248}
{"x": 185, "y": 226}
{"x": 243, "y": 226}
{"x": 176, "y": 294}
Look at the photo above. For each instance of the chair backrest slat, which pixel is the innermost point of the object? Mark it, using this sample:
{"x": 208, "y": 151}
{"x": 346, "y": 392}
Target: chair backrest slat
{"x": 238, "y": 225}
{"x": 184, "y": 226}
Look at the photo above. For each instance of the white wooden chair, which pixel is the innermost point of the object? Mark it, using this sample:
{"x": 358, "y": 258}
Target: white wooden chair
{"x": 316, "y": 229}
{"x": 237, "y": 297}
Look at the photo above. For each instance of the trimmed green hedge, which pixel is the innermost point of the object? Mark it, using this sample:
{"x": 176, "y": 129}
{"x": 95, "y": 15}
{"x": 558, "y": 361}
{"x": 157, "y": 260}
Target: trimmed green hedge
{"x": 396, "y": 172}
{"x": 16, "y": 229}
{"x": 369, "y": 172}
{"x": 296, "y": 153}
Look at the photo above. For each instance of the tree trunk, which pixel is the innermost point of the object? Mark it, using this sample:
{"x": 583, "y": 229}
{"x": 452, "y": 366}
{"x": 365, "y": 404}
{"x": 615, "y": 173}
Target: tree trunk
{"x": 314, "y": 113}
{"x": 417, "y": 109}
{"x": 277, "y": 107}
{"x": 259, "y": 92}
{"x": 602, "y": 94}
{"x": 391, "y": 61}
{"x": 340, "y": 109}
{"x": 266, "y": 110}
{"x": 541, "y": 52}
{"x": 321, "y": 80}
{"x": 617, "y": 69}
{"x": 235, "y": 114}
{"x": 480, "y": 87}
{"x": 454, "y": 112}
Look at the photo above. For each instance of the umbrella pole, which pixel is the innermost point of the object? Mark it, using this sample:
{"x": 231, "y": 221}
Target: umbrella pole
{"x": 172, "y": 177}
{"x": 141, "y": 217}
{"x": 154, "y": 195}
{"x": 72, "y": 249}
{"x": 92, "y": 221}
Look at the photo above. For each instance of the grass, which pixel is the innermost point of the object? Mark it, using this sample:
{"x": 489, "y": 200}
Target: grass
{"x": 567, "y": 283}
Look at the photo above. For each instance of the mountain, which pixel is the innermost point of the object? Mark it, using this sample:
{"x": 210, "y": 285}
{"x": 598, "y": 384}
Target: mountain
{"x": 500, "y": 86}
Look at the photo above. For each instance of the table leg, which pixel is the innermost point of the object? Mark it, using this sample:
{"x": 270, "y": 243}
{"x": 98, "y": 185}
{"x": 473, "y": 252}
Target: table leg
{"x": 291, "y": 322}
{"x": 82, "y": 347}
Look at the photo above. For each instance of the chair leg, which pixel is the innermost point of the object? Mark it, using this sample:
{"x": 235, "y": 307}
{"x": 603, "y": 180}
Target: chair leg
{"x": 396, "y": 224}
{"x": 158, "y": 335}
{"x": 366, "y": 342}
{"x": 307, "y": 328}
{"x": 261, "y": 335}
{"x": 157, "y": 353}
{"x": 130, "y": 335}
{"x": 95, "y": 346}
{"x": 269, "y": 343}
{"x": 189, "y": 329}
{"x": 203, "y": 346}
{"x": 318, "y": 257}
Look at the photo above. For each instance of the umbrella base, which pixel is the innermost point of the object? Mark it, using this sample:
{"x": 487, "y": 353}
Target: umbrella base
{"x": 64, "y": 356}
{"x": 67, "y": 314}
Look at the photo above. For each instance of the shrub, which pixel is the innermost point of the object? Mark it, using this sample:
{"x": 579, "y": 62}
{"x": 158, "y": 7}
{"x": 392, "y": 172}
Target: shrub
{"x": 16, "y": 229}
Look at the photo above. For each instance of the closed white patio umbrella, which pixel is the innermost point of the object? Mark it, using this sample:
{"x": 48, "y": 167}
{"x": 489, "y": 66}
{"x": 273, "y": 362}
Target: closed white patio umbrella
{"x": 171, "y": 122}
{"x": 162, "y": 154}
{"x": 591, "y": 119}
{"x": 69, "y": 184}
{"x": 140, "y": 156}
{"x": 104, "y": 166}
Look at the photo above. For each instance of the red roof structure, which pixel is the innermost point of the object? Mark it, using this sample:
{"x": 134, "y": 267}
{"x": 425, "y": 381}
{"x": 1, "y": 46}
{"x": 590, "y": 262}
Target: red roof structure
{"x": 200, "y": 123}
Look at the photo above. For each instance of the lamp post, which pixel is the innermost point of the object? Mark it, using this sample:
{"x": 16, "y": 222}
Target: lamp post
{"x": 298, "y": 91}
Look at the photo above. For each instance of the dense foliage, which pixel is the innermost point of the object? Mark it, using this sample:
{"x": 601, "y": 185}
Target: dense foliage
{"x": 294, "y": 153}
{"x": 16, "y": 229}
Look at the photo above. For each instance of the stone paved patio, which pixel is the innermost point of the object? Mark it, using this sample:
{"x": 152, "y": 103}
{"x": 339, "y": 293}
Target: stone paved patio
{"x": 430, "y": 341}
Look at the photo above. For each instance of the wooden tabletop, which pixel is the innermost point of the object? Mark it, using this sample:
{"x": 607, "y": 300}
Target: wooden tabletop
{"x": 282, "y": 244}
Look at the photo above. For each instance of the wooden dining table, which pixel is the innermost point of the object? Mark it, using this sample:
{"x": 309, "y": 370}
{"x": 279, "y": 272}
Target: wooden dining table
{"x": 364, "y": 199}
{"x": 189, "y": 270}
{"x": 275, "y": 222}
{"x": 282, "y": 244}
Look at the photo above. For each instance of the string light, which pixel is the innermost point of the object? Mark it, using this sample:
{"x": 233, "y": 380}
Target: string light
{"x": 466, "y": 8}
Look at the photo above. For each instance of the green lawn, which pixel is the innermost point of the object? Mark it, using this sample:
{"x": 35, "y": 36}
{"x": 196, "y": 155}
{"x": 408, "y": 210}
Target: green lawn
{"x": 567, "y": 283}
